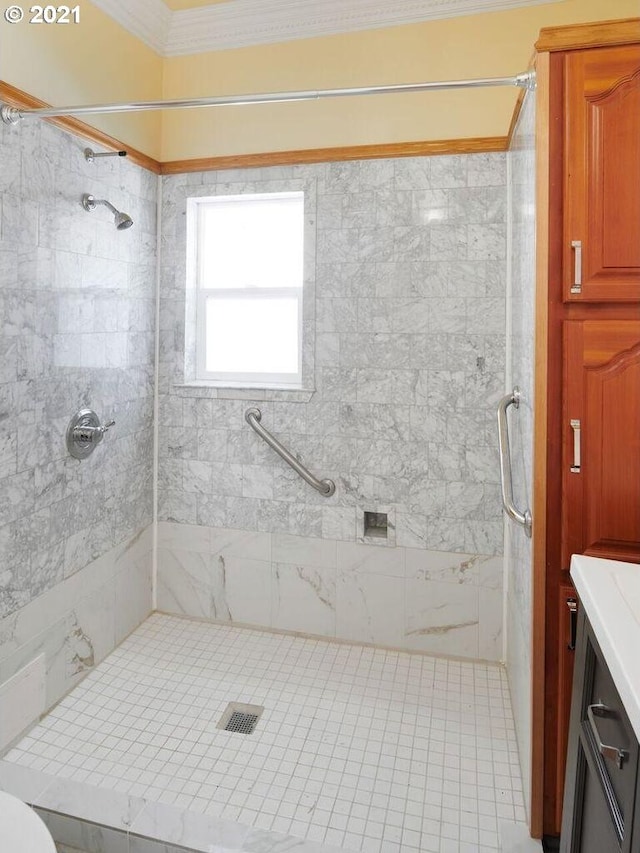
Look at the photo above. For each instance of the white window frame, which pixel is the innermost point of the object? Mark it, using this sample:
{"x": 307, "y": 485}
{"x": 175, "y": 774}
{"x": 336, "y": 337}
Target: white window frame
{"x": 238, "y": 379}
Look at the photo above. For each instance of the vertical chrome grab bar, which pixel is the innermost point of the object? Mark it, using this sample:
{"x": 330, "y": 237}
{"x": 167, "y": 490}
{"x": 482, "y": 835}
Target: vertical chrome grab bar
{"x": 522, "y": 518}
{"x": 325, "y": 487}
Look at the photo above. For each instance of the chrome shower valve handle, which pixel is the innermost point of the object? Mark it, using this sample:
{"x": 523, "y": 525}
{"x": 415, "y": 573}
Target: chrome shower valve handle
{"x": 85, "y": 432}
{"x": 93, "y": 434}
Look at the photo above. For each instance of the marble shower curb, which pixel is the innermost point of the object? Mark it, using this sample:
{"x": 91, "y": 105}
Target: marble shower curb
{"x": 96, "y": 820}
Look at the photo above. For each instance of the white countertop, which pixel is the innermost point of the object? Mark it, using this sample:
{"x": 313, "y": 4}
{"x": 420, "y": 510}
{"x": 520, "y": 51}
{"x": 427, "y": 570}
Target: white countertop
{"x": 610, "y": 593}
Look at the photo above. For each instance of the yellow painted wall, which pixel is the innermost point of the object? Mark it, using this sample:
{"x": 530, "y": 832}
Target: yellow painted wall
{"x": 94, "y": 61}
{"x": 98, "y": 61}
{"x": 493, "y": 44}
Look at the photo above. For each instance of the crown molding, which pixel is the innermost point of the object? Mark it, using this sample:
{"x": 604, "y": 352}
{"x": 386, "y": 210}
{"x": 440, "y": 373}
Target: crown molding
{"x": 242, "y": 23}
{"x": 149, "y": 20}
{"x": 599, "y": 34}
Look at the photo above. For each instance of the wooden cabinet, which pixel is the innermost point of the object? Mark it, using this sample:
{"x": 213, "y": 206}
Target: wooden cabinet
{"x": 601, "y": 446}
{"x": 593, "y": 353}
{"x": 601, "y": 790}
{"x": 601, "y": 252}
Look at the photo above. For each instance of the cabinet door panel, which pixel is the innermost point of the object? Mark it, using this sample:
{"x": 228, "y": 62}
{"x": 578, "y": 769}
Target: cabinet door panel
{"x": 597, "y": 831}
{"x": 565, "y": 658}
{"x": 601, "y": 500}
{"x": 614, "y": 728}
{"x": 602, "y": 177}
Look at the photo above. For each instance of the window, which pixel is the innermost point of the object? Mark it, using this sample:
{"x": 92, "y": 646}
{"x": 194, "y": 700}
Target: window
{"x": 248, "y": 265}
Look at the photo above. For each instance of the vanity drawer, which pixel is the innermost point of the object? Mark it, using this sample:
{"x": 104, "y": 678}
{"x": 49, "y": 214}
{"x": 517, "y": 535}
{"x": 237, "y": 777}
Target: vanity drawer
{"x": 609, "y": 736}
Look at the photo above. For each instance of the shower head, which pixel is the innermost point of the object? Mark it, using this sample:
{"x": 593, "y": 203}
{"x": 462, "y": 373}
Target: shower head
{"x": 121, "y": 220}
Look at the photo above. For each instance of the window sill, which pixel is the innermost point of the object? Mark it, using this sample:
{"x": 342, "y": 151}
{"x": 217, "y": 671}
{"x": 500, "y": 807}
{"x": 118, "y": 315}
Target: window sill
{"x": 214, "y": 390}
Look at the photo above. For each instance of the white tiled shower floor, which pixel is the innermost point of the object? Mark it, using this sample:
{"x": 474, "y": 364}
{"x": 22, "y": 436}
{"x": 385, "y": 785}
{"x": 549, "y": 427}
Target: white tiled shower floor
{"x": 360, "y": 748}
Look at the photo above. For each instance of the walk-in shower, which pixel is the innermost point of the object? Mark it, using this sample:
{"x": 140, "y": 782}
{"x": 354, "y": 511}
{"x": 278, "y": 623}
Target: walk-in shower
{"x": 358, "y": 623}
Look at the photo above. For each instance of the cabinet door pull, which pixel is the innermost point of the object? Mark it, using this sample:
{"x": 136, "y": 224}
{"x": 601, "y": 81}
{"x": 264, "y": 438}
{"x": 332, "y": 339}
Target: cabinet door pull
{"x": 613, "y": 752}
{"x": 576, "y": 287}
{"x": 572, "y": 604}
{"x": 575, "y": 426}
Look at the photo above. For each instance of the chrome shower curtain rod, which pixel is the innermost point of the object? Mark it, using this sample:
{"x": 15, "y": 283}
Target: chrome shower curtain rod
{"x": 12, "y": 115}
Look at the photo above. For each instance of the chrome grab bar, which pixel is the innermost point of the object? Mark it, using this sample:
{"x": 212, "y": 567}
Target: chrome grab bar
{"x": 253, "y": 418}
{"x": 522, "y": 518}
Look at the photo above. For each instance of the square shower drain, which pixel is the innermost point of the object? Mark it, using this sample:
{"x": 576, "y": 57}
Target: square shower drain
{"x": 240, "y": 718}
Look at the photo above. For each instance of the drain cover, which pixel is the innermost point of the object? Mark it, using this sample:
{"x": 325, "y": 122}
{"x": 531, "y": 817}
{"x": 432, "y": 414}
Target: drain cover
{"x": 240, "y": 718}
{"x": 243, "y": 723}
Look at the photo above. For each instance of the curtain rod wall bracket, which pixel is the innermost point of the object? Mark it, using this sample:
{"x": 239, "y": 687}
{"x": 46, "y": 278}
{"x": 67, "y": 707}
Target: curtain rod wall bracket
{"x": 10, "y": 115}
{"x": 526, "y": 80}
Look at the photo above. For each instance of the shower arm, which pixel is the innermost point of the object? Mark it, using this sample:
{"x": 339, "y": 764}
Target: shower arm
{"x": 106, "y": 203}
{"x": 12, "y": 115}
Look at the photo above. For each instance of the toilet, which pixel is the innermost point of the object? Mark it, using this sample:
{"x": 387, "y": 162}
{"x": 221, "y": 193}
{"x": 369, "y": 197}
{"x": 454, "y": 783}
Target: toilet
{"x": 21, "y": 830}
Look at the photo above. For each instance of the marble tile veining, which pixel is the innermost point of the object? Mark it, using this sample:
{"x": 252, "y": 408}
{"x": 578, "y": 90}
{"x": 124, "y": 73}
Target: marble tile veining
{"x": 408, "y": 286}
{"x": 402, "y": 596}
{"x": 408, "y": 331}
{"x": 77, "y": 317}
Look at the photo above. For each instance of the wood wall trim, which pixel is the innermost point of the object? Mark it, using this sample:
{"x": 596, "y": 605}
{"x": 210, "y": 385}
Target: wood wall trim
{"x": 572, "y": 37}
{"x": 539, "y": 543}
{"x": 598, "y": 34}
{"x": 17, "y": 98}
{"x": 472, "y": 145}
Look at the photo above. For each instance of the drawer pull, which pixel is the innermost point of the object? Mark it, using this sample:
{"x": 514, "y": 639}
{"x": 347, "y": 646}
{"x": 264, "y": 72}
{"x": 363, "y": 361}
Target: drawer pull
{"x": 612, "y": 752}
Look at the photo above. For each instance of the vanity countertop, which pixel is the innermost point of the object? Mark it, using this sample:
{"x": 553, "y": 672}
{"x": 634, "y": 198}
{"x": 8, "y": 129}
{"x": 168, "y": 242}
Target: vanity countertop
{"x": 610, "y": 594}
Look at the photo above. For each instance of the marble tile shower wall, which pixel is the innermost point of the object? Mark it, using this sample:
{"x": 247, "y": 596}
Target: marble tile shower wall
{"x": 409, "y": 343}
{"x": 77, "y": 324}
